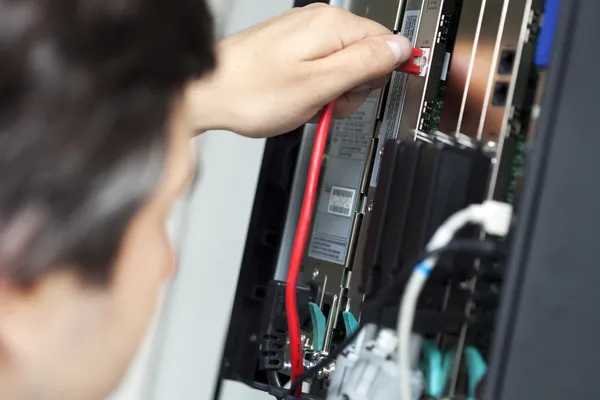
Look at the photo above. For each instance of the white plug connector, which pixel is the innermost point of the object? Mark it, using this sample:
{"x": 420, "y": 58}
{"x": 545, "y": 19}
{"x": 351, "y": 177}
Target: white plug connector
{"x": 496, "y": 217}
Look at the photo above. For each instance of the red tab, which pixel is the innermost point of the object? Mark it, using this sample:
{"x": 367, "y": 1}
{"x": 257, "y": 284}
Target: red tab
{"x": 410, "y": 67}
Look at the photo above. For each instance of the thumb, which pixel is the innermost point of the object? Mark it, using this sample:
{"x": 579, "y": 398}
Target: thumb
{"x": 364, "y": 61}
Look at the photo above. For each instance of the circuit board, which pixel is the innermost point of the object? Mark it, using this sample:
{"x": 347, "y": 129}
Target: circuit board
{"x": 436, "y": 111}
{"x": 516, "y": 169}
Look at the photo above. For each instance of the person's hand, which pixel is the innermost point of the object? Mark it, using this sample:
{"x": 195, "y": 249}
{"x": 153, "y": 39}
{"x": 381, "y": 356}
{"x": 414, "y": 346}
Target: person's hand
{"x": 278, "y": 75}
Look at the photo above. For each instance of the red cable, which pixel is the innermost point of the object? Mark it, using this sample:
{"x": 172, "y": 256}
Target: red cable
{"x": 310, "y": 194}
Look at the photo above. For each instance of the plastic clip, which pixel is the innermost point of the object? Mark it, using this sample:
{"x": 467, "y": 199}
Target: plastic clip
{"x": 413, "y": 66}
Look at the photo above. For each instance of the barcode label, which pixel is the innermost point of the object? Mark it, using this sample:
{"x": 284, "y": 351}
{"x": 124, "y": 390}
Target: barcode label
{"x": 340, "y": 185}
{"x": 396, "y": 94}
{"x": 341, "y": 200}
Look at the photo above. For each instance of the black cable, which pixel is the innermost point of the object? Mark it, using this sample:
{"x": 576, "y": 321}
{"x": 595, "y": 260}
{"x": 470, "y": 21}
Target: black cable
{"x": 472, "y": 246}
{"x": 333, "y": 354}
{"x": 273, "y": 378}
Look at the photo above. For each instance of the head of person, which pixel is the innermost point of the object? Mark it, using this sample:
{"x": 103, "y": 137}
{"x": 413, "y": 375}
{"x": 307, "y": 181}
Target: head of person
{"x": 94, "y": 152}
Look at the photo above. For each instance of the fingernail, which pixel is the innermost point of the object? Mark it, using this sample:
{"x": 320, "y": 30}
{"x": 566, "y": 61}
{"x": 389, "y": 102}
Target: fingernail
{"x": 400, "y": 47}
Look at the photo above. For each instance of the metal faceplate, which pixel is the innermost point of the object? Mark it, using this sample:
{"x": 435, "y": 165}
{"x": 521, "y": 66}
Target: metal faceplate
{"x": 341, "y": 196}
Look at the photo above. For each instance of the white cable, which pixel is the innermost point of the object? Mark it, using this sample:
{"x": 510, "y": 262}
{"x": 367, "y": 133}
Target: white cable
{"x": 494, "y": 217}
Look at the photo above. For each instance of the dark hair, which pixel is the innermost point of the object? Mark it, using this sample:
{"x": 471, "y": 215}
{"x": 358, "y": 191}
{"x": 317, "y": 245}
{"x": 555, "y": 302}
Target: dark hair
{"x": 86, "y": 92}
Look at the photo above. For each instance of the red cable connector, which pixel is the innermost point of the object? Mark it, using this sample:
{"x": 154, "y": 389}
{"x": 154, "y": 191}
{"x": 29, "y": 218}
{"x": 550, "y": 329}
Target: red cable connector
{"x": 411, "y": 66}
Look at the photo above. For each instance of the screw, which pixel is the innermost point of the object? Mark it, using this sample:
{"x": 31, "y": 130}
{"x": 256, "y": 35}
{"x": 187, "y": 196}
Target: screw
{"x": 315, "y": 274}
{"x": 370, "y": 208}
{"x": 253, "y": 338}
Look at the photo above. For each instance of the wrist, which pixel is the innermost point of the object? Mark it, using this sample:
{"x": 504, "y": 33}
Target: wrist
{"x": 198, "y": 96}
{"x": 205, "y": 110}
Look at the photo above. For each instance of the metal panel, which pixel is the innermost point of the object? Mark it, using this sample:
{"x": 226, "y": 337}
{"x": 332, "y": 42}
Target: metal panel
{"x": 512, "y": 63}
{"x": 482, "y": 67}
{"x": 462, "y": 58}
{"x": 502, "y": 119}
{"x": 417, "y": 86}
{"x": 332, "y": 241}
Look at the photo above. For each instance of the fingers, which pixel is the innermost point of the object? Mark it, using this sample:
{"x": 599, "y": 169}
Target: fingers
{"x": 345, "y": 105}
{"x": 348, "y": 103}
{"x": 370, "y": 86}
{"x": 333, "y": 29}
{"x": 367, "y": 60}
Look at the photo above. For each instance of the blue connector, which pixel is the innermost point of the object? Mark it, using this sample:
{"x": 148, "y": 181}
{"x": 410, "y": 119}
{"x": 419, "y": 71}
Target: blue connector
{"x": 350, "y": 323}
{"x": 477, "y": 368}
{"x": 547, "y": 32}
{"x": 432, "y": 369}
{"x": 319, "y": 324}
